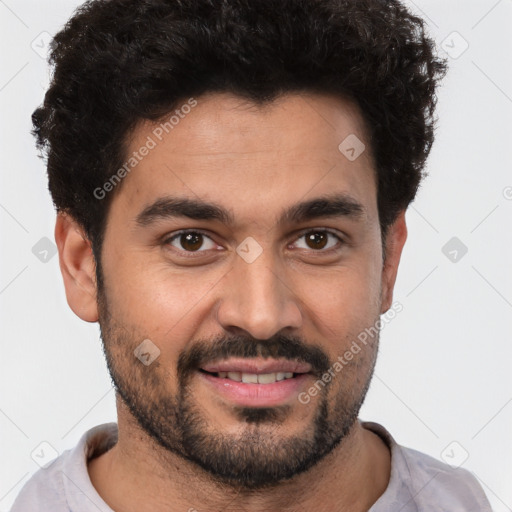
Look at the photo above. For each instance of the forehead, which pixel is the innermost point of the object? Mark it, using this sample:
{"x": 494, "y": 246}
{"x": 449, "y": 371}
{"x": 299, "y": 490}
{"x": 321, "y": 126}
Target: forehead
{"x": 242, "y": 155}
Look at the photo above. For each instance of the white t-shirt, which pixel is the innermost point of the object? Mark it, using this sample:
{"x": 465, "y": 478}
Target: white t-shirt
{"x": 418, "y": 482}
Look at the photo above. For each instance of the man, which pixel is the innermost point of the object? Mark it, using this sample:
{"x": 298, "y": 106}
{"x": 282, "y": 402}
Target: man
{"x": 231, "y": 180}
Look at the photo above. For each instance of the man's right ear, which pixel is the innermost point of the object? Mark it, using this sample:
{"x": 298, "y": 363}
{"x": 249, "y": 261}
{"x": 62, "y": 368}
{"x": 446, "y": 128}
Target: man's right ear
{"x": 77, "y": 266}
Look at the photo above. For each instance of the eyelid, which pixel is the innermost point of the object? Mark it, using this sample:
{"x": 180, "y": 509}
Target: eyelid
{"x": 330, "y": 231}
{"x": 168, "y": 238}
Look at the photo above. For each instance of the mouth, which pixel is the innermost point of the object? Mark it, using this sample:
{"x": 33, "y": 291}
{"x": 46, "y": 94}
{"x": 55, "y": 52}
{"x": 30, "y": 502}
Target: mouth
{"x": 256, "y": 383}
{"x": 254, "y": 378}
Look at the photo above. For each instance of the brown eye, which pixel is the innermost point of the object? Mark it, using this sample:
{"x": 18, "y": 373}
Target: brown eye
{"x": 318, "y": 240}
{"x": 191, "y": 241}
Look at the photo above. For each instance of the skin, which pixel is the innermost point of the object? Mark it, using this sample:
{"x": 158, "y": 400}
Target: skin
{"x": 255, "y": 162}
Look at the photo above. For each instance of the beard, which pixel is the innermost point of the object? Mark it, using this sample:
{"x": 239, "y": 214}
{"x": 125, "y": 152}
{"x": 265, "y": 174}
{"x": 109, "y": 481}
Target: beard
{"x": 258, "y": 454}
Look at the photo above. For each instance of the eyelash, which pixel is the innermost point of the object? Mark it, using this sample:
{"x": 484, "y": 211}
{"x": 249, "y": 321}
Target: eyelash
{"x": 195, "y": 254}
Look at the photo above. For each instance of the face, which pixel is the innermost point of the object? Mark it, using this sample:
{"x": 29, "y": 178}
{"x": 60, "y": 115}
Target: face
{"x": 242, "y": 257}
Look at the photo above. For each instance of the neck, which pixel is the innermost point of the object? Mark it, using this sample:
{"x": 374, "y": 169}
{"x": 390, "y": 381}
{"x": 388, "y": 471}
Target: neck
{"x": 137, "y": 474}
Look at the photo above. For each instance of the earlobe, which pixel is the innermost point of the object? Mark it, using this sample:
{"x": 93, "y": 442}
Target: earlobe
{"x": 395, "y": 240}
{"x": 78, "y": 267}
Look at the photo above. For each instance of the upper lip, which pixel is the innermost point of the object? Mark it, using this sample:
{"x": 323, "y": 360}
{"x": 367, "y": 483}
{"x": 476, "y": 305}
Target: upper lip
{"x": 257, "y": 366}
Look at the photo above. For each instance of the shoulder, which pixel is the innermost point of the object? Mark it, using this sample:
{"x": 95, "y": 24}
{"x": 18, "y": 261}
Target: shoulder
{"x": 456, "y": 489}
{"x": 44, "y": 490}
{"x": 64, "y": 484}
{"x": 419, "y": 482}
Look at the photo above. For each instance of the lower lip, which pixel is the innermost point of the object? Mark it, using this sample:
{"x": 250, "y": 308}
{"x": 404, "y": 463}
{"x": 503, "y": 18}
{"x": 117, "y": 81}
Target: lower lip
{"x": 257, "y": 395}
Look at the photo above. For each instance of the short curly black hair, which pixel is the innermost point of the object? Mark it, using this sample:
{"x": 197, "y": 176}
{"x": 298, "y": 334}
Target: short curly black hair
{"x": 117, "y": 62}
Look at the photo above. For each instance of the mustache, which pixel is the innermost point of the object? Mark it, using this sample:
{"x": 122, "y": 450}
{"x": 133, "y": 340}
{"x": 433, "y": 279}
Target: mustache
{"x": 277, "y": 347}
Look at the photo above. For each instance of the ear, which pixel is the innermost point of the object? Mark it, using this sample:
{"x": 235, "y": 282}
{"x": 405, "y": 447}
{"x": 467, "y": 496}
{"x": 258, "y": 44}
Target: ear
{"x": 395, "y": 240}
{"x": 78, "y": 267}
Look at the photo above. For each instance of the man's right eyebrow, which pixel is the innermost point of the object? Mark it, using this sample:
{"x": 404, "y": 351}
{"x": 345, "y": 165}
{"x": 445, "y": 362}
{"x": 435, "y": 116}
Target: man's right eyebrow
{"x": 170, "y": 206}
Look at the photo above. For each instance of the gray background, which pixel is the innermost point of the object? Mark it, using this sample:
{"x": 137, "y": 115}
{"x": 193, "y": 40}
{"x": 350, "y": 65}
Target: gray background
{"x": 443, "y": 380}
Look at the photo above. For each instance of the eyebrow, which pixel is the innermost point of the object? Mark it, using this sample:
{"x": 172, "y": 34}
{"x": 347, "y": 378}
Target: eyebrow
{"x": 339, "y": 205}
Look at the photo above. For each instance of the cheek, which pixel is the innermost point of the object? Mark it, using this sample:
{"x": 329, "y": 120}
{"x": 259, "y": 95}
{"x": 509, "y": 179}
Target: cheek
{"x": 158, "y": 302}
{"x": 344, "y": 297}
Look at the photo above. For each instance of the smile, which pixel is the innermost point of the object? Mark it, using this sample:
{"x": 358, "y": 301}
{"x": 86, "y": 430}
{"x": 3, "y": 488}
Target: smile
{"x": 256, "y": 382}
{"x": 255, "y": 378}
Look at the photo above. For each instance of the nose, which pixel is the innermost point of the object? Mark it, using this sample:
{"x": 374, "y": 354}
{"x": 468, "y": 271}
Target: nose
{"x": 258, "y": 298}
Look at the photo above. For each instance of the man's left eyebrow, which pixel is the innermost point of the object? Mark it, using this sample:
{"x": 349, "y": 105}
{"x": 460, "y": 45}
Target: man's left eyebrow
{"x": 340, "y": 205}
{"x": 333, "y": 206}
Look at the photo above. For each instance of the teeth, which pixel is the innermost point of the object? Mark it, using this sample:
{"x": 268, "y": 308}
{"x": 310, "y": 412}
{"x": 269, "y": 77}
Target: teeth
{"x": 266, "y": 378}
{"x": 250, "y": 378}
{"x": 253, "y": 378}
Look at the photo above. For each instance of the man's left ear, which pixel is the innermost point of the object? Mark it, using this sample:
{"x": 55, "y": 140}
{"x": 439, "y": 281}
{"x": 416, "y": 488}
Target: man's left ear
{"x": 395, "y": 240}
